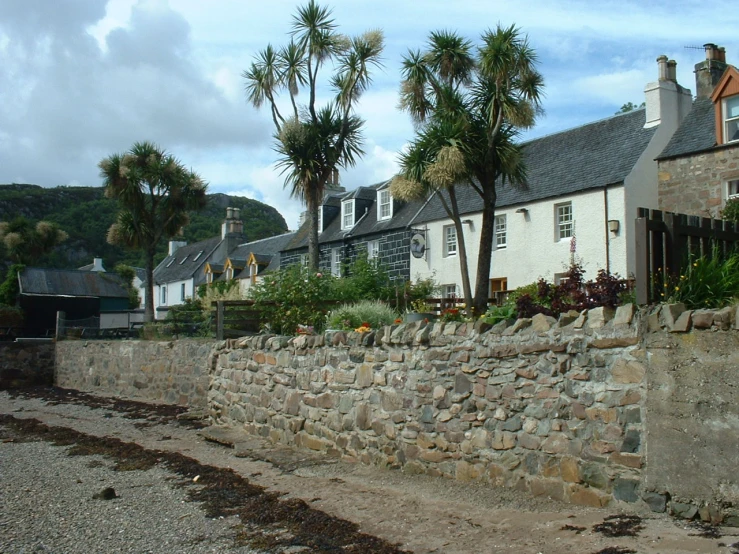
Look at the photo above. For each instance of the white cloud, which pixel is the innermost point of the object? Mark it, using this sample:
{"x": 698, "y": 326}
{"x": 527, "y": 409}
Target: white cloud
{"x": 85, "y": 78}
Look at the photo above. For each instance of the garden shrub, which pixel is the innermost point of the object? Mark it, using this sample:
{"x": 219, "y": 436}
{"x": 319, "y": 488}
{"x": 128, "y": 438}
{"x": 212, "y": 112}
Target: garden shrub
{"x": 496, "y": 314}
{"x": 293, "y": 296}
{"x": 188, "y": 319}
{"x": 351, "y": 316}
{"x": 220, "y": 290}
{"x": 365, "y": 279}
{"x": 572, "y": 293}
{"x": 707, "y": 282}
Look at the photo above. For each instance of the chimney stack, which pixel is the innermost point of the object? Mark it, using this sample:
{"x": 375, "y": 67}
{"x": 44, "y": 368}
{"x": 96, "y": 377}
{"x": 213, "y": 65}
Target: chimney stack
{"x": 709, "y": 72}
{"x": 665, "y": 99}
{"x": 233, "y": 224}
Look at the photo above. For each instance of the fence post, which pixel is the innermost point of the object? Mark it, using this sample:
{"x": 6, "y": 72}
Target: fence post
{"x": 641, "y": 273}
{"x": 220, "y": 314}
{"x": 60, "y": 316}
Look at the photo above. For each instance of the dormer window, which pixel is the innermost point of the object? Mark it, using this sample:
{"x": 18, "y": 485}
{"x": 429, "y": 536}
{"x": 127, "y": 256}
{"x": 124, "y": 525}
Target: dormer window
{"x": 731, "y": 118}
{"x": 347, "y": 214}
{"x": 385, "y": 202}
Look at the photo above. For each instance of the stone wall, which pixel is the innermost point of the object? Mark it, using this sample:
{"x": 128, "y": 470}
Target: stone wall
{"x": 692, "y": 414}
{"x": 696, "y": 185}
{"x": 555, "y": 408}
{"x": 174, "y": 372}
{"x": 26, "y": 364}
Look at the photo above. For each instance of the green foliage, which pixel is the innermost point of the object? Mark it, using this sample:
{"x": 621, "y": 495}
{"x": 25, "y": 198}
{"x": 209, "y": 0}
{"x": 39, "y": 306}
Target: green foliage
{"x": 708, "y": 282}
{"x": 25, "y": 242}
{"x": 128, "y": 274}
{"x": 85, "y": 214}
{"x": 351, "y": 316}
{"x": 731, "y": 210}
{"x": 10, "y": 289}
{"x": 572, "y": 293}
{"x": 188, "y": 319}
{"x": 291, "y": 297}
{"x": 220, "y": 290}
{"x": 496, "y": 314}
{"x": 364, "y": 279}
{"x": 629, "y": 107}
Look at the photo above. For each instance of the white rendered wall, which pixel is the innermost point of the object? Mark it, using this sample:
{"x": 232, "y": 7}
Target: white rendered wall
{"x": 532, "y": 250}
{"x": 173, "y": 295}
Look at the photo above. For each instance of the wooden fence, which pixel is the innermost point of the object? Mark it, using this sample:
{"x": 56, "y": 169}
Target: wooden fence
{"x": 665, "y": 242}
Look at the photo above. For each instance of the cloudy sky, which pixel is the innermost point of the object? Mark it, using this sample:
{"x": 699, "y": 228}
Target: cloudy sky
{"x": 81, "y": 79}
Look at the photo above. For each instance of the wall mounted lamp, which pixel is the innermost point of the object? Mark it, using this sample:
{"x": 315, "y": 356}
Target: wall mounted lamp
{"x": 522, "y": 211}
{"x": 613, "y": 225}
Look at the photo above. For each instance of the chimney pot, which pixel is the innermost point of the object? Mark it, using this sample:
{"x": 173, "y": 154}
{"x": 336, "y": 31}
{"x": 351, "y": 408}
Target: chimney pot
{"x": 711, "y": 51}
{"x": 672, "y": 71}
{"x": 229, "y": 213}
{"x": 722, "y": 54}
{"x": 662, "y": 68}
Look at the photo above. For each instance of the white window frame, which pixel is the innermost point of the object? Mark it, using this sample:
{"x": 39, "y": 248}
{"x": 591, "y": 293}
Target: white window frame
{"x": 733, "y": 121}
{"x": 385, "y": 205}
{"x": 732, "y": 189}
{"x": 347, "y": 214}
{"x": 501, "y": 231}
{"x": 565, "y": 223}
{"x": 449, "y": 291}
{"x": 450, "y": 240}
{"x": 182, "y": 292}
{"x": 304, "y": 260}
{"x": 373, "y": 249}
{"x": 320, "y": 219}
{"x": 336, "y": 262}
{"x": 229, "y": 273}
{"x": 163, "y": 295}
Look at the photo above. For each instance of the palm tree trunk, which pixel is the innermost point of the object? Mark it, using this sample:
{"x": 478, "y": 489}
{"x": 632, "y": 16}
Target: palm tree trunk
{"x": 149, "y": 291}
{"x": 487, "y": 234}
{"x": 312, "y": 206}
{"x": 463, "y": 266}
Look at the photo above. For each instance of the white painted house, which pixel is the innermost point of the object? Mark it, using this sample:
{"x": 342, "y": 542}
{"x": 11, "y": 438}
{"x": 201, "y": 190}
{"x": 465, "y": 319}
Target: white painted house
{"x": 179, "y": 275}
{"x": 584, "y": 188}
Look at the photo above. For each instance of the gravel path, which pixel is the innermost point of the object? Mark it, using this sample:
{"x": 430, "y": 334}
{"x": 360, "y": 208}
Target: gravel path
{"x": 47, "y": 505}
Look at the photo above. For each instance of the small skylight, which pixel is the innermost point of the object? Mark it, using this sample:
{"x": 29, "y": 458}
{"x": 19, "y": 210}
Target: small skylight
{"x": 183, "y": 260}
{"x": 195, "y": 259}
{"x": 170, "y": 262}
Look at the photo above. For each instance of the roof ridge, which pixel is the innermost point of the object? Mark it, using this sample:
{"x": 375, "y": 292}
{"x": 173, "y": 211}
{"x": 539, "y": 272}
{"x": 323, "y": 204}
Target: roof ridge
{"x": 588, "y": 124}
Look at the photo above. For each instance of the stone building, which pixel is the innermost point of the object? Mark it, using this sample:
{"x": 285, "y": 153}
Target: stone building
{"x": 699, "y": 168}
{"x": 365, "y": 220}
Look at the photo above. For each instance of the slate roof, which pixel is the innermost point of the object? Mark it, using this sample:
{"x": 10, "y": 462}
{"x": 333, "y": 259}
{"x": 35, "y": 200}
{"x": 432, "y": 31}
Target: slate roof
{"x": 70, "y": 282}
{"x": 265, "y": 247}
{"x": 592, "y": 156}
{"x": 179, "y": 270}
{"x": 696, "y": 133}
{"x": 366, "y": 224}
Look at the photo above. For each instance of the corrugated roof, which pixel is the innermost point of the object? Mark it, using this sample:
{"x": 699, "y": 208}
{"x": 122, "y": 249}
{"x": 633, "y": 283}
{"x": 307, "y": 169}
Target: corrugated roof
{"x": 587, "y": 157}
{"x": 696, "y": 133}
{"x": 71, "y": 282}
{"x": 186, "y": 262}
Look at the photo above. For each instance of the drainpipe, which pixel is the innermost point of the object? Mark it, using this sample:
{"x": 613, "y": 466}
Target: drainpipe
{"x": 607, "y": 231}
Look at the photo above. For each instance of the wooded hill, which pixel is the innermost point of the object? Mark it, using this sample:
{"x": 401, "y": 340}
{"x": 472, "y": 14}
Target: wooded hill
{"x": 86, "y": 215}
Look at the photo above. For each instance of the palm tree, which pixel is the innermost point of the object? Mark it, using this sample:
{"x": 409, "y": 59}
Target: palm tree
{"x": 469, "y": 109}
{"x": 25, "y": 243}
{"x": 314, "y": 142}
{"x": 154, "y": 192}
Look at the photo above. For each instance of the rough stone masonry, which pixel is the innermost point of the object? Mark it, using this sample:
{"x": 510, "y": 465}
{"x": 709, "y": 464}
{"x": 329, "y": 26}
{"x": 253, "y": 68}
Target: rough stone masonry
{"x": 552, "y": 407}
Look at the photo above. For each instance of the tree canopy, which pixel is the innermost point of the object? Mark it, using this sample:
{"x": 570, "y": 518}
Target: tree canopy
{"x": 154, "y": 192}
{"x": 313, "y": 141}
{"x": 25, "y": 242}
{"x": 468, "y": 103}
